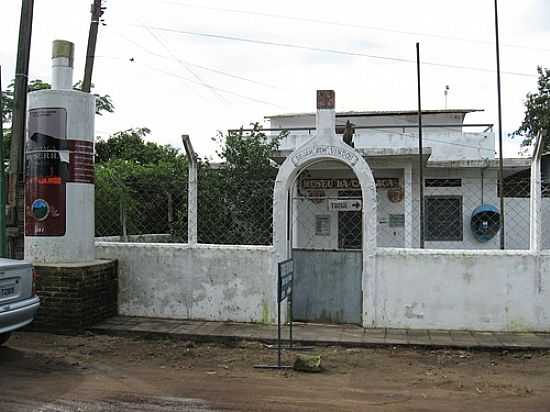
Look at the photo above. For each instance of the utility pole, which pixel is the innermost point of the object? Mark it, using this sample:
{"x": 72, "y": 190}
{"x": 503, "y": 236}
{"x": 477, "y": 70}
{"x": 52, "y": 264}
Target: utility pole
{"x": 3, "y": 236}
{"x": 420, "y": 149}
{"x": 17, "y": 150}
{"x": 97, "y": 12}
{"x": 500, "y": 145}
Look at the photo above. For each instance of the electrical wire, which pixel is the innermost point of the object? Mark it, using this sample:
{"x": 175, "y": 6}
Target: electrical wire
{"x": 220, "y": 72}
{"x": 253, "y": 99}
{"x": 350, "y": 25}
{"x": 334, "y": 51}
{"x": 185, "y": 66}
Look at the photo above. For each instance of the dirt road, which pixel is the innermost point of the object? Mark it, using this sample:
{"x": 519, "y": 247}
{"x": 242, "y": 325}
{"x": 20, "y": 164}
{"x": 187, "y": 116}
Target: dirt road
{"x": 45, "y": 373}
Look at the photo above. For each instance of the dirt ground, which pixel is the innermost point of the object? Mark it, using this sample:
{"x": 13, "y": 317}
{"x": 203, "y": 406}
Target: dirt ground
{"x": 41, "y": 372}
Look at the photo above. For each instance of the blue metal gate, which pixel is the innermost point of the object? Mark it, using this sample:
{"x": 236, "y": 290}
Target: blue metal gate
{"x": 327, "y": 286}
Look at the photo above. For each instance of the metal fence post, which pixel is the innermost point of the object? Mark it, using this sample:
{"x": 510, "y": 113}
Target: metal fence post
{"x": 192, "y": 191}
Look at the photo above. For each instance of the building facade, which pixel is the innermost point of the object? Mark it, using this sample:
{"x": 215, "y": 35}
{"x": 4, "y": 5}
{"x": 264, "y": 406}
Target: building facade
{"x": 460, "y": 183}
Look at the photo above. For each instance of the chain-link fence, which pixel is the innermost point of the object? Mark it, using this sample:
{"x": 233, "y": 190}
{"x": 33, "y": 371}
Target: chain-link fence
{"x": 464, "y": 213}
{"x": 459, "y": 212}
{"x": 134, "y": 211}
{"x": 234, "y": 210}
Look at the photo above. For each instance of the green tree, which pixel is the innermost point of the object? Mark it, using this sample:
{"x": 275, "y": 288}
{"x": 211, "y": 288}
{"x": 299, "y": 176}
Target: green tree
{"x": 131, "y": 145}
{"x": 537, "y": 111}
{"x": 140, "y": 186}
{"x": 236, "y": 196}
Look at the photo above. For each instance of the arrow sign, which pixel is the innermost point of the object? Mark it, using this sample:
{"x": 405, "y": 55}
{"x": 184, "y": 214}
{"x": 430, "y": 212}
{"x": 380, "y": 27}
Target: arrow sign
{"x": 345, "y": 205}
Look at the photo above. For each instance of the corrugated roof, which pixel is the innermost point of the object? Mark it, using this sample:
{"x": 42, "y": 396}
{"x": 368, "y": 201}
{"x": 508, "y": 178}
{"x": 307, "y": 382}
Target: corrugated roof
{"x": 379, "y": 113}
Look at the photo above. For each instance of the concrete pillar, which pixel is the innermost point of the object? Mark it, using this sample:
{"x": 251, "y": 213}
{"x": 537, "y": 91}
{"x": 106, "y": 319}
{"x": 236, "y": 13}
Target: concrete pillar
{"x": 536, "y": 198}
{"x": 409, "y": 220}
{"x": 59, "y": 168}
{"x": 192, "y": 192}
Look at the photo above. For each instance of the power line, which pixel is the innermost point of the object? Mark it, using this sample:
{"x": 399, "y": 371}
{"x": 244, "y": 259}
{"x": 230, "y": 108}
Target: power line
{"x": 350, "y": 25}
{"x": 184, "y": 64}
{"x": 253, "y": 99}
{"x": 220, "y": 72}
{"x": 333, "y": 51}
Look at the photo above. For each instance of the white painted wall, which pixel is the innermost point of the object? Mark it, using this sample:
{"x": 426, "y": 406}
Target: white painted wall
{"x": 481, "y": 290}
{"x": 427, "y": 289}
{"x": 204, "y": 282}
{"x": 447, "y": 143}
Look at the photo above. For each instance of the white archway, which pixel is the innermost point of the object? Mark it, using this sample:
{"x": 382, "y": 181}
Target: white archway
{"x": 327, "y": 146}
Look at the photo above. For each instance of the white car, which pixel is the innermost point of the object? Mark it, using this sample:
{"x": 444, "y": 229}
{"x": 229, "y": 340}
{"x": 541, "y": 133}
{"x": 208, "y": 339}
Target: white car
{"x": 18, "y": 300}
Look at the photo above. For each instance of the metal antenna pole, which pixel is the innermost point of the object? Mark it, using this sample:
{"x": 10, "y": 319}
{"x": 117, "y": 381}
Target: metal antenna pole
{"x": 500, "y": 145}
{"x": 420, "y": 149}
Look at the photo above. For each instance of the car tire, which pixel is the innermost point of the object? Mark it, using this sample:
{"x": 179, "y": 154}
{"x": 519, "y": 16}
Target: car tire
{"x": 4, "y": 338}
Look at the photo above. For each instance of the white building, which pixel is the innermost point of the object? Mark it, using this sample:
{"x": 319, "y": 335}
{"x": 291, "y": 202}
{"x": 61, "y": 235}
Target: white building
{"x": 460, "y": 176}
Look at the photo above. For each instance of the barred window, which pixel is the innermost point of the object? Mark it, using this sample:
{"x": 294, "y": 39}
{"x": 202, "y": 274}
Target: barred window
{"x": 443, "y": 220}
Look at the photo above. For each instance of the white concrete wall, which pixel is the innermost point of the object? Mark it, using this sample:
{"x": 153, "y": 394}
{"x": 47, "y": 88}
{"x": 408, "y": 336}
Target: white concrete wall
{"x": 206, "y": 282}
{"x": 449, "y": 143}
{"x": 481, "y": 290}
{"x": 433, "y": 289}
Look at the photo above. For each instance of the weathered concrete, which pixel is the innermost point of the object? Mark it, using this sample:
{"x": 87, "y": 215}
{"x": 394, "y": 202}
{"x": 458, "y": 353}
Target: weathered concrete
{"x": 480, "y": 290}
{"x": 305, "y": 334}
{"x": 209, "y": 282}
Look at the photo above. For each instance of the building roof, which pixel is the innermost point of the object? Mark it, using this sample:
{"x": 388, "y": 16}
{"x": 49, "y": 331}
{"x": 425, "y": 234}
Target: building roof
{"x": 379, "y": 113}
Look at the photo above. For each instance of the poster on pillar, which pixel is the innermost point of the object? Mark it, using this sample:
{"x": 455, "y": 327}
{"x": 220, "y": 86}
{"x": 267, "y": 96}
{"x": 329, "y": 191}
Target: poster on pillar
{"x": 46, "y": 172}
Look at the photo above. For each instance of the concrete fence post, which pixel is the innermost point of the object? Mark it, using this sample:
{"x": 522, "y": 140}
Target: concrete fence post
{"x": 192, "y": 192}
{"x": 536, "y": 198}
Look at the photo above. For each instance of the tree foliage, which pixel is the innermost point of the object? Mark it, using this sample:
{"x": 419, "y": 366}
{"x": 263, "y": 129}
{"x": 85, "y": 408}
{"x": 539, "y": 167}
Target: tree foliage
{"x": 147, "y": 181}
{"x": 130, "y": 145}
{"x": 537, "y": 110}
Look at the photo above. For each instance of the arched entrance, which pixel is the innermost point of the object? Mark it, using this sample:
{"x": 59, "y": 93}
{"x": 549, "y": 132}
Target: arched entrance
{"x": 326, "y": 239}
{"x": 327, "y": 148}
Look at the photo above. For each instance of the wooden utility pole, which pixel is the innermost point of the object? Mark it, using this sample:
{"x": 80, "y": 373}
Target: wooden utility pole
{"x": 17, "y": 150}
{"x": 97, "y": 12}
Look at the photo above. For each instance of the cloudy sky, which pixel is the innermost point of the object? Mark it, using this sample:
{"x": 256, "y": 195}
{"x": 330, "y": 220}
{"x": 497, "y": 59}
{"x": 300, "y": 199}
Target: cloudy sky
{"x": 203, "y": 66}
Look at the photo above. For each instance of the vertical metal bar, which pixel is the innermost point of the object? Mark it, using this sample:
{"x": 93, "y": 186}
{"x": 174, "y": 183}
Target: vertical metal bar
{"x": 290, "y": 317}
{"x": 279, "y": 319}
{"x": 3, "y": 235}
{"x": 500, "y": 145}
{"x": 420, "y": 150}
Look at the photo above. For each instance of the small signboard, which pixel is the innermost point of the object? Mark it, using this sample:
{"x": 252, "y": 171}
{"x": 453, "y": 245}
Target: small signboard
{"x": 345, "y": 205}
{"x": 286, "y": 278}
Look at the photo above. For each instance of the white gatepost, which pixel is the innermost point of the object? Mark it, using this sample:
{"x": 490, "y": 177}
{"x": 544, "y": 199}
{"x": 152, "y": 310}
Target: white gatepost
{"x": 192, "y": 191}
{"x": 327, "y": 146}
